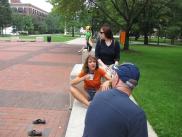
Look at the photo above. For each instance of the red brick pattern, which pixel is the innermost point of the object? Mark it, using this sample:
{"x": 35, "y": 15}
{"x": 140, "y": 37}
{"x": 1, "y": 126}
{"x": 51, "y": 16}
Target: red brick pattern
{"x": 6, "y": 55}
{"x": 34, "y": 83}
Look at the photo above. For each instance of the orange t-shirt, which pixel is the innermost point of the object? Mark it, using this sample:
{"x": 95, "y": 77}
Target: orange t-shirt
{"x": 96, "y": 82}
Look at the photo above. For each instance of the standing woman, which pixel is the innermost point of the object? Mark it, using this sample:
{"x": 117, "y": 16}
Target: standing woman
{"x": 107, "y": 48}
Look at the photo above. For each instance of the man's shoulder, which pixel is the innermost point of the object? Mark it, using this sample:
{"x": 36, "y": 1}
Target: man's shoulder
{"x": 121, "y": 100}
{"x": 107, "y": 94}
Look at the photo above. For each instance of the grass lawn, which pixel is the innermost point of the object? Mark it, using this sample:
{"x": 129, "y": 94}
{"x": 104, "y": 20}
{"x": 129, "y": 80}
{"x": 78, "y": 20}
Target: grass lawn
{"x": 155, "y": 40}
{"x": 160, "y": 87}
{"x": 54, "y": 37}
{"x": 59, "y": 38}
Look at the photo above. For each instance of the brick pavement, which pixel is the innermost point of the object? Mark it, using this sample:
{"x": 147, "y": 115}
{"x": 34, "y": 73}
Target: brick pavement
{"x": 34, "y": 83}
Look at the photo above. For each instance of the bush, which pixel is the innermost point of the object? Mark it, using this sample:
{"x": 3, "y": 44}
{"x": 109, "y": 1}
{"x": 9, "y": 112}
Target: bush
{"x": 23, "y": 32}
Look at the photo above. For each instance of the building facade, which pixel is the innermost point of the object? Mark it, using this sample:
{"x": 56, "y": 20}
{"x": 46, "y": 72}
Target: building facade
{"x": 27, "y": 9}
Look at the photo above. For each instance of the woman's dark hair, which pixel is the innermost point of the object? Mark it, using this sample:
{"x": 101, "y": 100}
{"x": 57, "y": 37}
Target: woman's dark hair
{"x": 85, "y": 67}
{"x": 107, "y": 31}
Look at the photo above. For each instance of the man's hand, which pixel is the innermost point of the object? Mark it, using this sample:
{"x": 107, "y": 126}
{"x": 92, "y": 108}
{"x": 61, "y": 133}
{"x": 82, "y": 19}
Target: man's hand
{"x": 105, "y": 85}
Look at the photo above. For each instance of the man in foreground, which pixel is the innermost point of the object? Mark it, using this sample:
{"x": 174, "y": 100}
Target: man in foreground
{"x": 112, "y": 113}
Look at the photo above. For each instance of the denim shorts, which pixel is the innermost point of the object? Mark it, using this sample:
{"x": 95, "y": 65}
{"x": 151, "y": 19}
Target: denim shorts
{"x": 91, "y": 93}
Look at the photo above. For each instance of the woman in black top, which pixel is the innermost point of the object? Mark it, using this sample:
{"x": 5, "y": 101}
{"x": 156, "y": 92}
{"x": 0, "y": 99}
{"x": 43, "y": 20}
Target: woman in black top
{"x": 107, "y": 49}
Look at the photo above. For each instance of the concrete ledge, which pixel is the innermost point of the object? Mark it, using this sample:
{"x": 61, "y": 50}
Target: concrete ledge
{"x": 76, "y": 122}
{"x": 40, "y": 39}
{"x": 151, "y": 132}
{"x": 75, "y": 71}
{"x": 15, "y": 39}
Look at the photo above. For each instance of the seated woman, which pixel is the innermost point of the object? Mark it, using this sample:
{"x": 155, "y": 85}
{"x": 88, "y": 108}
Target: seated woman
{"x": 91, "y": 74}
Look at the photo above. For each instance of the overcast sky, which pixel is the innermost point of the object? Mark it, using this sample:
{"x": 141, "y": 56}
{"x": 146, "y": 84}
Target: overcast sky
{"x": 39, "y": 3}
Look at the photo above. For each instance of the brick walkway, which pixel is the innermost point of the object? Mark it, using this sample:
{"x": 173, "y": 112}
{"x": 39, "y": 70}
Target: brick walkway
{"x": 34, "y": 83}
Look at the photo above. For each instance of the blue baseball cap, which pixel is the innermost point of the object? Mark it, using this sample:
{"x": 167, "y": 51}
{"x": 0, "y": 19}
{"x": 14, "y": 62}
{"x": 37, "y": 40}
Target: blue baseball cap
{"x": 128, "y": 73}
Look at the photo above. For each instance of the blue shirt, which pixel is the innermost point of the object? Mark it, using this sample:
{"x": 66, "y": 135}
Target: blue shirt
{"x": 113, "y": 114}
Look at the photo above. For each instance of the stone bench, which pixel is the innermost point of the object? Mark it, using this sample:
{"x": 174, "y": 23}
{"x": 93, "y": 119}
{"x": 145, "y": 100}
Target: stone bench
{"x": 76, "y": 121}
{"x": 39, "y": 39}
{"x": 14, "y": 39}
{"x": 75, "y": 71}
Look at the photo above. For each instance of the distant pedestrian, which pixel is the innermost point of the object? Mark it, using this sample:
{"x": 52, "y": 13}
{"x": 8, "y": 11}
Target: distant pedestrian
{"x": 89, "y": 44}
{"x": 107, "y": 48}
{"x": 82, "y": 32}
{"x": 112, "y": 113}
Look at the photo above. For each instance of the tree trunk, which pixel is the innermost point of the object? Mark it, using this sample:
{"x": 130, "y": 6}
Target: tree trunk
{"x": 146, "y": 41}
{"x": 65, "y": 30}
{"x": 126, "y": 45}
{"x": 0, "y": 30}
{"x": 73, "y": 34}
{"x": 172, "y": 41}
{"x": 158, "y": 35}
{"x": 158, "y": 40}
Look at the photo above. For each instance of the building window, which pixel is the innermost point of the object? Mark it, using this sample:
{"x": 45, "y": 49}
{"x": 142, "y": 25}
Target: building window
{"x": 25, "y": 10}
{"x": 20, "y": 10}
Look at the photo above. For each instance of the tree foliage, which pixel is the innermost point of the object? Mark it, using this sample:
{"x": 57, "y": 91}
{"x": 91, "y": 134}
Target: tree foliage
{"x": 123, "y": 13}
{"x": 53, "y": 23}
{"x": 70, "y": 11}
{"x": 5, "y": 14}
{"x": 22, "y": 23}
{"x": 174, "y": 26}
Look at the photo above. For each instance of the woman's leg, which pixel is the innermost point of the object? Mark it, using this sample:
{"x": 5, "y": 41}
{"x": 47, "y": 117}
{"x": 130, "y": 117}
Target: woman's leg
{"x": 79, "y": 95}
{"x": 91, "y": 94}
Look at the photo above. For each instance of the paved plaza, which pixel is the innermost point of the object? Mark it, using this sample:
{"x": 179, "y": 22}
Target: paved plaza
{"x": 34, "y": 83}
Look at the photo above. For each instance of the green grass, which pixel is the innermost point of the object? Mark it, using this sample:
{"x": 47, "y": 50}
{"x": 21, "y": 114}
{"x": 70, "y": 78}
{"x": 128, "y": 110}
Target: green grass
{"x": 54, "y": 37}
{"x": 155, "y": 40}
{"x": 59, "y": 38}
{"x": 160, "y": 87}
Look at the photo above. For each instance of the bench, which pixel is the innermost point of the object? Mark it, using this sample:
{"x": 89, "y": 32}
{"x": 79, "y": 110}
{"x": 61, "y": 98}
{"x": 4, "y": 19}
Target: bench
{"x": 40, "y": 39}
{"x": 76, "y": 121}
{"x": 151, "y": 132}
{"x": 75, "y": 71}
{"x": 77, "y": 117}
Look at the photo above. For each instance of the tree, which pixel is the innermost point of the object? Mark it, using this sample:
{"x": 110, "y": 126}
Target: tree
{"x": 22, "y": 22}
{"x": 17, "y": 21}
{"x": 174, "y": 29}
{"x": 123, "y": 13}
{"x": 69, "y": 10}
{"x": 53, "y": 23}
{"x": 119, "y": 10}
{"x": 154, "y": 15}
{"x": 5, "y": 16}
